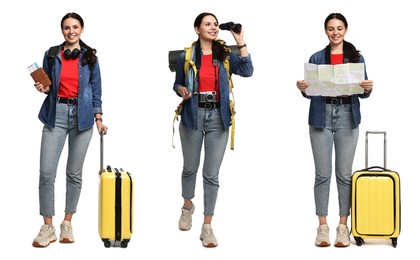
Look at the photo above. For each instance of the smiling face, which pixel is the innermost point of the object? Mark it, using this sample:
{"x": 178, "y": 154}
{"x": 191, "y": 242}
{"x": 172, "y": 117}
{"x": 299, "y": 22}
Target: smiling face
{"x": 208, "y": 29}
{"x": 71, "y": 30}
{"x": 335, "y": 30}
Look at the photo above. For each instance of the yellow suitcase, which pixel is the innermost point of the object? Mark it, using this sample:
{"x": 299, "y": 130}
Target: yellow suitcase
{"x": 375, "y": 201}
{"x": 115, "y": 206}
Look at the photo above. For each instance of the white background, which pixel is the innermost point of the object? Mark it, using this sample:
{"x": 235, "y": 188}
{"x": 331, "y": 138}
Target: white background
{"x": 265, "y": 208}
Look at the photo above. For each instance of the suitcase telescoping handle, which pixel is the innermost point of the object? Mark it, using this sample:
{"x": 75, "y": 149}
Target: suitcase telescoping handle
{"x": 367, "y": 147}
{"x": 101, "y": 153}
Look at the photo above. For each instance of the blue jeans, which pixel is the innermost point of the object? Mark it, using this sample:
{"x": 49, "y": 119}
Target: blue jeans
{"x": 215, "y": 137}
{"x": 52, "y": 143}
{"x": 339, "y": 134}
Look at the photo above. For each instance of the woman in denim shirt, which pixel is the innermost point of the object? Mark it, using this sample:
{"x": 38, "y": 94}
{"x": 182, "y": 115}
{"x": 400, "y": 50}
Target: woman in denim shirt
{"x": 206, "y": 115}
{"x": 334, "y": 123}
{"x": 71, "y": 108}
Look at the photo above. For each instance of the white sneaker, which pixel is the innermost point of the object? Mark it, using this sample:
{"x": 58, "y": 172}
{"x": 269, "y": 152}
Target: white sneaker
{"x": 66, "y": 235}
{"x": 343, "y": 236}
{"x": 185, "y": 221}
{"x": 323, "y": 236}
{"x": 45, "y": 237}
{"x": 207, "y": 236}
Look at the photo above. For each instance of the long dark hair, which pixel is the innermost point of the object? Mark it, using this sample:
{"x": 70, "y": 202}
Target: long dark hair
{"x": 219, "y": 48}
{"x": 349, "y": 49}
{"x": 90, "y": 56}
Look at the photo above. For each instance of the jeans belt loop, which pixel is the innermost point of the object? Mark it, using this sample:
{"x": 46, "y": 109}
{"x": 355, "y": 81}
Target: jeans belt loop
{"x": 335, "y": 101}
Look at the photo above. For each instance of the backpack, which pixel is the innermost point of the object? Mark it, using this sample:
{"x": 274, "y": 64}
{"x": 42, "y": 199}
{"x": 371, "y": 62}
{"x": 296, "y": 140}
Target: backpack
{"x": 52, "y": 52}
{"x": 190, "y": 71}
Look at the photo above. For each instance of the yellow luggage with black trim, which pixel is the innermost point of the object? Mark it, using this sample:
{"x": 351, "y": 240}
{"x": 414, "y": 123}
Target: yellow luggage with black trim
{"x": 375, "y": 201}
{"x": 115, "y": 205}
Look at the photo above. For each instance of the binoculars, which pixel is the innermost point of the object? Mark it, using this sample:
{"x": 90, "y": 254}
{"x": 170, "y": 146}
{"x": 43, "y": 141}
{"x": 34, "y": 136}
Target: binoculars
{"x": 236, "y": 27}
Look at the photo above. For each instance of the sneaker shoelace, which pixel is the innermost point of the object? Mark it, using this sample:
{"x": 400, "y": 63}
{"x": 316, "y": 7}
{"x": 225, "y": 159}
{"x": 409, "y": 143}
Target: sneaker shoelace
{"x": 341, "y": 232}
{"x": 324, "y": 231}
{"x": 208, "y": 232}
{"x": 44, "y": 233}
{"x": 66, "y": 228}
{"x": 185, "y": 214}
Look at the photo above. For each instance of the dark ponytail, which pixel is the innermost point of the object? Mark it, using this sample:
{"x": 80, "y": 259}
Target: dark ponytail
{"x": 90, "y": 55}
{"x": 351, "y": 52}
{"x": 220, "y": 50}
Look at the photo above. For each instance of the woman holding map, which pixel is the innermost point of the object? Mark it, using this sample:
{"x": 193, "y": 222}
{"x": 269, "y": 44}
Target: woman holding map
{"x": 334, "y": 122}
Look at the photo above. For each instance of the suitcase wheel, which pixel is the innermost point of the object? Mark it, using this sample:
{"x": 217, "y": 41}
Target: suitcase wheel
{"x": 124, "y": 244}
{"x": 394, "y": 242}
{"x": 107, "y": 243}
{"x": 359, "y": 241}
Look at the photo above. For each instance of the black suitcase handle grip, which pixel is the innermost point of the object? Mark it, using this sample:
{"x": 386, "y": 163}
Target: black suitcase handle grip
{"x": 378, "y": 168}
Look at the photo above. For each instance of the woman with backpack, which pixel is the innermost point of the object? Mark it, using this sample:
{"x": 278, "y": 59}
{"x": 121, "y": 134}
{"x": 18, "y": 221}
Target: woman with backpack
{"x": 206, "y": 113}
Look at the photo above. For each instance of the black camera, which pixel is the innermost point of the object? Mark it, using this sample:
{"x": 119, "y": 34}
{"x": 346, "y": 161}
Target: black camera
{"x": 209, "y": 96}
{"x": 236, "y": 27}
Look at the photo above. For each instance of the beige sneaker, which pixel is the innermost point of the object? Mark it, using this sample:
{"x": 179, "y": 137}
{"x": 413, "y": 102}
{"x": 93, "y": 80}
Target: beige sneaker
{"x": 323, "y": 236}
{"x": 66, "y": 235}
{"x": 185, "y": 221}
{"x": 343, "y": 236}
{"x": 207, "y": 236}
{"x": 45, "y": 237}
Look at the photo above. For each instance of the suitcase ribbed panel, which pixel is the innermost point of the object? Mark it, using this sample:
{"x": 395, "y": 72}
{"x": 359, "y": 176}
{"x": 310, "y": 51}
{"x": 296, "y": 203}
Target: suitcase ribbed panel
{"x": 375, "y": 205}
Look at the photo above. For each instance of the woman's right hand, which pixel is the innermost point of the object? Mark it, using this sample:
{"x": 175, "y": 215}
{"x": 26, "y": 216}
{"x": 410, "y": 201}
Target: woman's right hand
{"x": 41, "y": 87}
{"x": 302, "y": 85}
{"x": 184, "y": 93}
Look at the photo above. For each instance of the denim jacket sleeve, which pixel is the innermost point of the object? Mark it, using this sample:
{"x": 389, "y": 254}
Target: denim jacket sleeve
{"x": 241, "y": 66}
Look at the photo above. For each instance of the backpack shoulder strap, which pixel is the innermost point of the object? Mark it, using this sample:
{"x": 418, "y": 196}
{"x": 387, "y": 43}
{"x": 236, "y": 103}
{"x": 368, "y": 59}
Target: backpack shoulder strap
{"x": 51, "y": 54}
{"x": 231, "y": 105}
{"x": 188, "y": 63}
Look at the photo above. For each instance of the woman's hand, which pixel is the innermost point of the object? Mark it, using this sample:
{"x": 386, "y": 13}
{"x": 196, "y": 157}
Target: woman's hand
{"x": 367, "y": 85}
{"x": 302, "y": 85}
{"x": 184, "y": 93}
{"x": 101, "y": 127}
{"x": 41, "y": 87}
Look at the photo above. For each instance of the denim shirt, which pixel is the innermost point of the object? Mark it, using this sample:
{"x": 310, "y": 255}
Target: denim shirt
{"x": 241, "y": 66}
{"x": 317, "y": 109}
{"x": 89, "y": 94}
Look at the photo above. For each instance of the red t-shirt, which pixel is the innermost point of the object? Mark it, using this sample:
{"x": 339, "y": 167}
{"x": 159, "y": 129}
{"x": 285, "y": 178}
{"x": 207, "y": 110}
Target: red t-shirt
{"x": 209, "y": 78}
{"x": 337, "y": 59}
{"x": 69, "y": 77}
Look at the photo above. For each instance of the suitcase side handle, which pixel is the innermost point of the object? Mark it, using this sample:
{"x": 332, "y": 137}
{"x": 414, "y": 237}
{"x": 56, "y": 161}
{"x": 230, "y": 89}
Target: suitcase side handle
{"x": 367, "y": 147}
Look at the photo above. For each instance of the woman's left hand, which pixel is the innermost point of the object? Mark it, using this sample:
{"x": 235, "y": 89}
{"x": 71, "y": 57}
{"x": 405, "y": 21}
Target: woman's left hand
{"x": 101, "y": 127}
{"x": 367, "y": 85}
